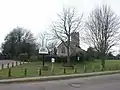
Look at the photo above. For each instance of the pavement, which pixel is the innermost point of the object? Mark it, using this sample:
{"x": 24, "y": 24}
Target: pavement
{"x": 56, "y": 77}
{"x": 105, "y": 82}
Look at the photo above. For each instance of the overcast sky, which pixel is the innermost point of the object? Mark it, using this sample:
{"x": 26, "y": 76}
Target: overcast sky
{"x": 37, "y": 15}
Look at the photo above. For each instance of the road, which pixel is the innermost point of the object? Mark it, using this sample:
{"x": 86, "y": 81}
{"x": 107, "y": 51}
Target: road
{"x": 108, "y": 82}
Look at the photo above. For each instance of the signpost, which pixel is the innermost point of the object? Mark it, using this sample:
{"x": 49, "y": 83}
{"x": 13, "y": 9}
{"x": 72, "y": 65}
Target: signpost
{"x": 52, "y": 60}
{"x": 43, "y": 51}
{"x": 78, "y": 58}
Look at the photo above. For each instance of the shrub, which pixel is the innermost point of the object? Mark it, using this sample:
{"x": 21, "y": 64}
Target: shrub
{"x": 33, "y": 58}
{"x": 62, "y": 59}
{"x": 23, "y": 57}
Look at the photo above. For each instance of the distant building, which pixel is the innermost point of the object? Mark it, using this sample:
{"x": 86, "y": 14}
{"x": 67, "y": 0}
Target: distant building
{"x": 74, "y": 48}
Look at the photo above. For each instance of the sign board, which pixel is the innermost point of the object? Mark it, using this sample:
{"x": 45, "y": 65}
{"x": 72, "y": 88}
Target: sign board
{"x": 52, "y": 60}
{"x": 43, "y": 50}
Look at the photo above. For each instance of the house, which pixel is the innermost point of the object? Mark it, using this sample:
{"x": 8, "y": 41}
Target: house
{"x": 74, "y": 46}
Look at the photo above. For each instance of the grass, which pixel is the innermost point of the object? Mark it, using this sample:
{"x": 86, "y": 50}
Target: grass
{"x": 32, "y": 68}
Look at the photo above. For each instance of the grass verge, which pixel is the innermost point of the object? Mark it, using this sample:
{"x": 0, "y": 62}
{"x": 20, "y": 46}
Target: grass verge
{"x": 32, "y": 69}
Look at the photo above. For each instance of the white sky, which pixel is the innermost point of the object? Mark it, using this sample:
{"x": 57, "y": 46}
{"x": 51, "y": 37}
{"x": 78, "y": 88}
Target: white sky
{"x": 37, "y": 15}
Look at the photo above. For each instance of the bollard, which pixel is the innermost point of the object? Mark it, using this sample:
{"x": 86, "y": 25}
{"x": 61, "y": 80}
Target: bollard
{"x": 39, "y": 72}
{"x": 85, "y": 69}
{"x": 9, "y": 72}
{"x": 93, "y": 69}
{"x": 101, "y": 68}
{"x": 109, "y": 68}
{"x": 2, "y": 66}
{"x": 8, "y": 65}
{"x": 117, "y": 67}
{"x": 75, "y": 70}
{"x": 12, "y": 64}
{"x": 52, "y": 71}
{"x": 29, "y": 61}
{"x": 64, "y": 71}
{"x": 16, "y": 63}
{"x": 23, "y": 62}
{"x": 20, "y": 63}
{"x": 52, "y": 68}
{"x": 25, "y": 72}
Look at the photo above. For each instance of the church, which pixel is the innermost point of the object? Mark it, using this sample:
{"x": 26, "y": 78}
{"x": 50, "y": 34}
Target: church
{"x": 74, "y": 46}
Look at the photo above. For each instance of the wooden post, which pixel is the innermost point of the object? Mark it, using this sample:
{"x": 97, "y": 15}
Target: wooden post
{"x": 25, "y": 72}
{"x": 8, "y": 65}
{"x": 93, "y": 69}
{"x": 2, "y": 66}
{"x": 9, "y": 72}
{"x": 52, "y": 71}
{"x": 23, "y": 61}
{"x": 101, "y": 68}
{"x": 12, "y": 64}
{"x": 84, "y": 68}
{"x": 39, "y": 72}
{"x": 109, "y": 68}
{"x": 75, "y": 69}
{"x": 20, "y": 63}
{"x": 116, "y": 67}
{"x": 64, "y": 70}
{"x": 16, "y": 63}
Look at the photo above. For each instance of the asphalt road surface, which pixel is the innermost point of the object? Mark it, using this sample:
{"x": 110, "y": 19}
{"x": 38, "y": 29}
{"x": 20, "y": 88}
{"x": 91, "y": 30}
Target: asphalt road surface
{"x": 108, "y": 82}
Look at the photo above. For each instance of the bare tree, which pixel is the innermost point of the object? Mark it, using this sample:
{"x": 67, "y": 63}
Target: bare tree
{"x": 42, "y": 39}
{"x": 45, "y": 40}
{"x": 102, "y": 30}
{"x": 69, "y": 22}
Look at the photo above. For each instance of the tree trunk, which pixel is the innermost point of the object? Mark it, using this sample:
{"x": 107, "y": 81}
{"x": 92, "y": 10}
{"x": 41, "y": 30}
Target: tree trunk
{"x": 68, "y": 54}
{"x": 103, "y": 60}
{"x": 68, "y": 50}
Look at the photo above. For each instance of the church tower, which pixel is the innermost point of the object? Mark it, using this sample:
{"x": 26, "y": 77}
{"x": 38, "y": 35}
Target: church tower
{"x": 75, "y": 38}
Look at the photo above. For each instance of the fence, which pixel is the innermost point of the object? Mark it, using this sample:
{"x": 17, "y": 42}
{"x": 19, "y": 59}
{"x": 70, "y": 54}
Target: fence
{"x": 40, "y": 72}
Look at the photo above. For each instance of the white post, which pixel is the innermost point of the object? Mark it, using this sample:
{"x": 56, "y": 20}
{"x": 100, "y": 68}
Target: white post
{"x": 52, "y": 60}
